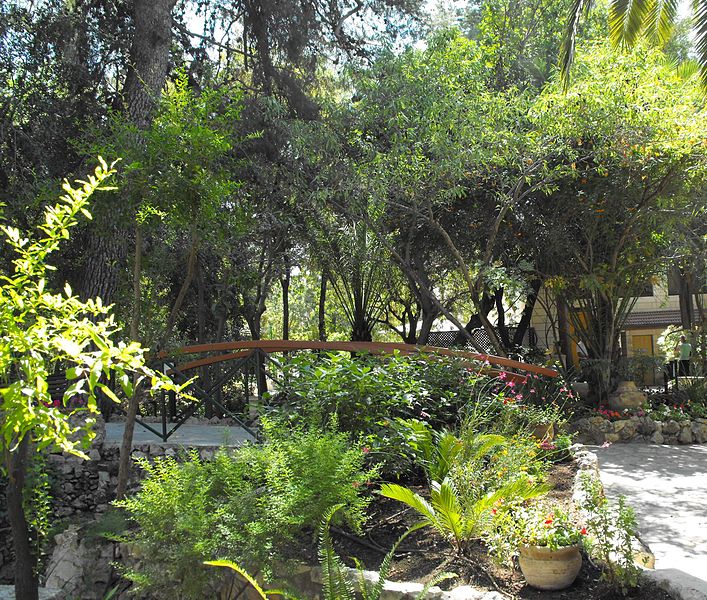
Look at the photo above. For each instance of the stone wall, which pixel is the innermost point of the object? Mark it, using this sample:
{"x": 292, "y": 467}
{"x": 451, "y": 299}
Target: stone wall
{"x": 83, "y": 488}
{"x": 599, "y": 430}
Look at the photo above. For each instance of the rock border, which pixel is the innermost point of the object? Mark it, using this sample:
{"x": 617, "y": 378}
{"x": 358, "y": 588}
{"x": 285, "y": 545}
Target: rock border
{"x": 600, "y": 430}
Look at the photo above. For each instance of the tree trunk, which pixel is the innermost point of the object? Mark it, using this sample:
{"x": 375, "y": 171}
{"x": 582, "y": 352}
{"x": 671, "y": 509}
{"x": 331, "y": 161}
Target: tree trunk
{"x": 285, "y": 283}
{"x": 105, "y": 250}
{"x": 134, "y": 400}
{"x": 322, "y": 309}
{"x": 205, "y": 375}
{"x": 527, "y": 315}
{"x": 502, "y": 329}
{"x": 687, "y": 316}
{"x": 428, "y": 319}
{"x": 147, "y": 69}
{"x": 181, "y": 295}
{"x": 26, "y": 584}
{"x": 254, "y": 324}
{"x": 563, "y": 330}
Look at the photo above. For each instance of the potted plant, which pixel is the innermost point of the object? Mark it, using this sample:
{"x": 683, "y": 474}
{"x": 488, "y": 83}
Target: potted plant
{"x": 545, "y": 539}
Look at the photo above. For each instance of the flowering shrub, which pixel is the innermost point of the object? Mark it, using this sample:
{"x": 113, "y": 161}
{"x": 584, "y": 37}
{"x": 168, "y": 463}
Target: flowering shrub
{"x": 541, "y": 524}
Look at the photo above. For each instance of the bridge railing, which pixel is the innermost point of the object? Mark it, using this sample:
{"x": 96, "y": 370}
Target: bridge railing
{"x": 243, "y": 366}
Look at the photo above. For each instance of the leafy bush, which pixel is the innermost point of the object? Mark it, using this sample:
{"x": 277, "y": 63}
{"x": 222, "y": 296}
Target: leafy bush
{"x": 540, "y": 524}
{"x": 366, "y": 391}
{"x": 612, "y": 530}
{"x": 246, "y": 506}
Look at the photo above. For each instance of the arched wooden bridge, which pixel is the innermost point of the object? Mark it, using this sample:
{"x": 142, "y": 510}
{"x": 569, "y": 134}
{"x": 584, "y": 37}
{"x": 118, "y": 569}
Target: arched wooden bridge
{"x": 249, "y": 359}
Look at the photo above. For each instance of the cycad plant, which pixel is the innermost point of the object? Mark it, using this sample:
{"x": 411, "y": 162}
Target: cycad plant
{"x": 438, "y": 451}
{"x": 446, "y": 514}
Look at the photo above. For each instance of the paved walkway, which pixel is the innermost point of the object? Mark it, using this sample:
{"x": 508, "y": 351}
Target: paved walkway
{"x": 187, "y": 435}
{"x": 667, "y": 486}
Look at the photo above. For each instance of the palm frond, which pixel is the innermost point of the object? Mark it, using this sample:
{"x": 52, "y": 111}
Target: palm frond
{"x": 660, "y": 19}
{"x": 569, "y": 38}
{"x": 337, "y": 584}
{"x": 439, "y": 578}
{"x": 448, "y": 510}
{"x": 413, "y": 500}
{"x": 699, "y": 16}
{"x": 387, "y": 563}
{"x": 627, "y": 19}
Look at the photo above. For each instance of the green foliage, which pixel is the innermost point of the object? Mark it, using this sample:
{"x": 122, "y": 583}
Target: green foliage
{"x": 438, "y": 451}
{"x": 365, "y": 391}
{"x": 247, "y": 506}
{"x": 338, "y": 584}
{"x": 612, "y": 534}
{"x": 37, "y": 505}
{"x": 455, "y": 518}
{"x": 539, "y": 524}
{"x": 44, "y": 332}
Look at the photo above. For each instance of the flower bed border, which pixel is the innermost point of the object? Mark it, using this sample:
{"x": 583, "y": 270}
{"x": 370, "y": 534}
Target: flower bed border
{"x": 599, "y": 430}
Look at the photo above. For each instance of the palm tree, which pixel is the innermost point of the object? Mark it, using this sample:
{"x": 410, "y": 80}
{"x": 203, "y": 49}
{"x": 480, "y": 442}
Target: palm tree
{"x": 631, "y": 19}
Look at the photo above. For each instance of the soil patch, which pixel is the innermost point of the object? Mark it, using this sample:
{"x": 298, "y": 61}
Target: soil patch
{"x": 425, "y": 554}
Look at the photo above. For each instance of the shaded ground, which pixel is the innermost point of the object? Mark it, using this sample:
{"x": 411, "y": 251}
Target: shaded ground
{"x": 667, "y": 486}
{"x": 425, "y": 554}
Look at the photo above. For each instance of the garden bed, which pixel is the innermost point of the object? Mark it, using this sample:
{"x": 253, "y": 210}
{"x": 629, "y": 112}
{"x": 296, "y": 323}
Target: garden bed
{"x": 424, "y": 554}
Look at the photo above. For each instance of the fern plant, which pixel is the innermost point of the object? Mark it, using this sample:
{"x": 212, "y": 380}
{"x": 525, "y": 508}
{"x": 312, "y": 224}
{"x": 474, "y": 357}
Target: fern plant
{"x": 446, "y": 514}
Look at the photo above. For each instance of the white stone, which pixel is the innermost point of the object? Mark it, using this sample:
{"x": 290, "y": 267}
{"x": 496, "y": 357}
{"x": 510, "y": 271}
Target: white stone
{"x": 679, "y": 584}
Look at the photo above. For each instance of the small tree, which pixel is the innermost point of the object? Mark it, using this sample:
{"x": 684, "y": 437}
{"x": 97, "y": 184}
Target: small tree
{"x": 44, "y": 332}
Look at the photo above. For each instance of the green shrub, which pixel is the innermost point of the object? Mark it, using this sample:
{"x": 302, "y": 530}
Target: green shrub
{"x": 367, "y": 391}
{"x": 246, "y": 505}
{"x": 612, "y": 531}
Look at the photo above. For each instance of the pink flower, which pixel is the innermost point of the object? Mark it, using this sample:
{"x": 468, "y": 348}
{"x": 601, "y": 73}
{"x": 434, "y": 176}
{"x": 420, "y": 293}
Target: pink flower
{"x": 511, "y": 384}
{"x": 502, "y": 375}
{"x": 606, "y": 444}
{"x": 365, "y": 450}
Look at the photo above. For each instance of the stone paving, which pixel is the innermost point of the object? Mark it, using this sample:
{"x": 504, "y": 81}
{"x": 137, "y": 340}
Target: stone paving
{"x": 667, "y": 486}
{"x": 189, "y": 435}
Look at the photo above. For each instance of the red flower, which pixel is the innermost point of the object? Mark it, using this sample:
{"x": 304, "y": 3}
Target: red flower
{"x": 583, "y": 531}
{"x": 493, "y": 511}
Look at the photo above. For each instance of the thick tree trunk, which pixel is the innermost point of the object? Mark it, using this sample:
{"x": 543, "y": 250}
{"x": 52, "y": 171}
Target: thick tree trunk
{"x": 105, "y": 251}
{"x": 149, "y": 58}
{"x": 687, "y": 314}
{"x": 26, "y": 585}
{"x": 147, "y": 69}
{"x": 428, "y": 319}
{"x": 322, "y": 309}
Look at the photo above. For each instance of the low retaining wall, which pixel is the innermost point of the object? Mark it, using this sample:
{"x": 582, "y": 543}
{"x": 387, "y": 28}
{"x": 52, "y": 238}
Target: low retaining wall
{"x": 80, "y": 488}
{"x": 599, "y": 430}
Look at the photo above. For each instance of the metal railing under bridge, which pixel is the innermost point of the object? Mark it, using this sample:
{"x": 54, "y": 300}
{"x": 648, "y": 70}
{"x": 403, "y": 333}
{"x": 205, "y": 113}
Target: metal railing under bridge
{"x": 246, "y": 366}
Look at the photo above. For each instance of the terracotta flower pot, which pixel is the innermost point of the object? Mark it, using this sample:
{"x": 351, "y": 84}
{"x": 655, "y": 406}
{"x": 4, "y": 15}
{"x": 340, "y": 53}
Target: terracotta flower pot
{"x": 544, "y": 432}
{"x": 547, "y": 569}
